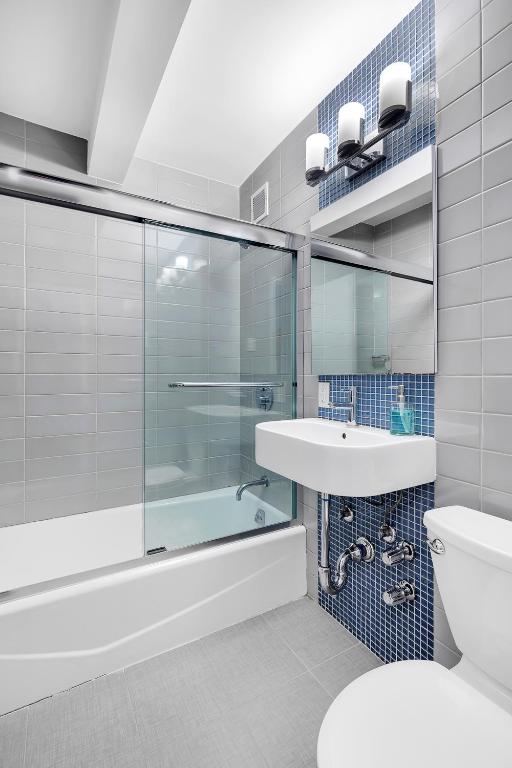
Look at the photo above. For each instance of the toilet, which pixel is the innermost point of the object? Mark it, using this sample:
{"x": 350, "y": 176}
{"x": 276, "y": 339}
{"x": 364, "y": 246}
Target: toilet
{"x": 419, "y": 713}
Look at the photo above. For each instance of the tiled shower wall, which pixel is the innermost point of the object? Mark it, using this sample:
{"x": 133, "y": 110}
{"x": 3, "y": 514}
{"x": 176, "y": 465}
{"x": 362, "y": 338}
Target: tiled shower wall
{"x": 474, "y": 385}
{"x": 71, "y": 361}
{"x": 71, "y": 373}
{"x": 192, "y": 292}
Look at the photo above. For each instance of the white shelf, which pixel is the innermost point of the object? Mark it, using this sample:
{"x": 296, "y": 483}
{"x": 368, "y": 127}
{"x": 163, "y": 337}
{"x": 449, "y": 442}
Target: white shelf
{"x": 401, "y": 189}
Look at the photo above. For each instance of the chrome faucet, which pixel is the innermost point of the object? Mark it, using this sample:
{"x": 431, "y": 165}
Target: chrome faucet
{"x": 350, "y": 406}
{"x": 262, "y": 481}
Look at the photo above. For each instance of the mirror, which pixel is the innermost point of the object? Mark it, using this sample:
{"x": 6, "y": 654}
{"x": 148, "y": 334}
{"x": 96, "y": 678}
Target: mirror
{"x": 373, "y": 301}
{"x": 371, "y": 318}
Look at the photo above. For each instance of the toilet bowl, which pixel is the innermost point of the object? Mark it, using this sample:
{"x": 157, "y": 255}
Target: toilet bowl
{"x": 418, "y": 712}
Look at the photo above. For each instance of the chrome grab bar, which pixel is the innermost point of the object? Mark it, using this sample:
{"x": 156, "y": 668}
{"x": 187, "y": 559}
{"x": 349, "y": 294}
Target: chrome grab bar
{"x": 252, "y": 384}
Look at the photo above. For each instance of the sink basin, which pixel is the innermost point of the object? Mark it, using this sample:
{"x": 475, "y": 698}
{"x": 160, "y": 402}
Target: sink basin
{"x": 331, "y": 457}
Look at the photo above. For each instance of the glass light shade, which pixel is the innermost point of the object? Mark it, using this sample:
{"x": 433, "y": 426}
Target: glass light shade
{"x": 350, "y": 128}
{"x": 394, "y": 94}
{"x": 316, "y": 149}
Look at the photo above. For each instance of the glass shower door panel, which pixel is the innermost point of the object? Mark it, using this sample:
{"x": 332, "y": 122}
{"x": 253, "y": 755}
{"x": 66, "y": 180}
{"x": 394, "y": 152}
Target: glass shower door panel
{"x": 211, "y": 327}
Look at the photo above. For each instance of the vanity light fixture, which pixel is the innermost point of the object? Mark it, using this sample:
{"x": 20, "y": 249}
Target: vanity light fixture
{"x": 395, "y": 95}
{"x": 357, "y": 153}
{"x": 317, "y": 146}
{"x": 350, "y": 129}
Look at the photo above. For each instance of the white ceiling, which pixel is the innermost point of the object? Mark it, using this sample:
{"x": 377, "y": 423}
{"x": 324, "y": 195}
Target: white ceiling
{"x": 52, "y": 57}
{"x": 241, "y": 75}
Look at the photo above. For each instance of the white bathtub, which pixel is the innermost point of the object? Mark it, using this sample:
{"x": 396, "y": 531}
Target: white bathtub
{"x": 49, "y": 549}
{"x": 63, "y": 634}
{"x": 198, "y": 517}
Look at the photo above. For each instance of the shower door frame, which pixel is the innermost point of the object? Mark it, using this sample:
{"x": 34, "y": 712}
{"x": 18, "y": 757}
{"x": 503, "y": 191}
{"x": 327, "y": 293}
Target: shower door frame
{"x": 52, "y": 190}
{"x": 102, "y": 201}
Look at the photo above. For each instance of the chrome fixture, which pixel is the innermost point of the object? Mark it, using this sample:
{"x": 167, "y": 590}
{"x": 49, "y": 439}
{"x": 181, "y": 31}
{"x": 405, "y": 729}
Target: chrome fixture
{"x": 223, "y": 384}
{"x": 362, "y": 551}
{"x": 42, "y": 188}
{"x": 349, "y": 406}
{"x": 402, "y": 551}
{"x": 402, "y": 592}
{"x": 347, "y": 514}
{"x": 265, "y": 397}
{"x": 395, "y": 104}
{"x": 387, "y": 533}
{"x": 436, "y": 546}
{"x": 262, "y": 481}
{"x": 259, "y": 517}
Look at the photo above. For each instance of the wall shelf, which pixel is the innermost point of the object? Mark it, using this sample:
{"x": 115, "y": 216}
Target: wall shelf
{"x": 401, "y": 189}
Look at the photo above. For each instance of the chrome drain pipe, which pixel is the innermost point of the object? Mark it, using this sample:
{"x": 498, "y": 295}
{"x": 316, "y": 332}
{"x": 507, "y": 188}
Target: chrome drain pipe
{"x": 362, "y": 551}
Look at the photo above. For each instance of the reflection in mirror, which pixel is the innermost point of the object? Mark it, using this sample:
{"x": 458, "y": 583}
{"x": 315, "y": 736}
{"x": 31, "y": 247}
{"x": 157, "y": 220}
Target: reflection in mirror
{"x": 406, "y": 238}
{"x": 349, "y": 315}
{"x": 378, "y": 317}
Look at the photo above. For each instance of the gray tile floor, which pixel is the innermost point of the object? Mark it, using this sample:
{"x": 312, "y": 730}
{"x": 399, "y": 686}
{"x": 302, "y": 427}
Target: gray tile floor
{"x": 251, "y": 696}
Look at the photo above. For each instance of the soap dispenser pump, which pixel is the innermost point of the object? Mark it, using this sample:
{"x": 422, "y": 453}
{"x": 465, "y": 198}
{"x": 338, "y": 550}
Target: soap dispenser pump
{"x": 402, "y": 421}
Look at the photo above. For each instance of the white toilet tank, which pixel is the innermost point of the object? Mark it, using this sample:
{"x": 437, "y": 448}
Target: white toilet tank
{"x": 474, "y": 574}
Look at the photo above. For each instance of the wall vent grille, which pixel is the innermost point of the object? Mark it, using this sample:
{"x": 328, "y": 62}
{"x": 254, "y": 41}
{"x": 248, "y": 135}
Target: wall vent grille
{"x": 259, "y": 203}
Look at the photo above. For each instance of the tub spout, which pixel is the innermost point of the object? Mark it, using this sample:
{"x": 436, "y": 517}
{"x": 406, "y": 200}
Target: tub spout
{"x": 262, "y": 481}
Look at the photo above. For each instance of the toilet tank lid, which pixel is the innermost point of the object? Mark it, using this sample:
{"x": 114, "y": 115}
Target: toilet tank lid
{"x": 484, "y": 536}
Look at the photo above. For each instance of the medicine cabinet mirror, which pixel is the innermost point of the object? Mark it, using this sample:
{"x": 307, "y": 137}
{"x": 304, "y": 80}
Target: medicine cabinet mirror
{"x": 373, "y": 298}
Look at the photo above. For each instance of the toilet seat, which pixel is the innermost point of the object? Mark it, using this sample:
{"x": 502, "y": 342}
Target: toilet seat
{"x": 414, "y": 713}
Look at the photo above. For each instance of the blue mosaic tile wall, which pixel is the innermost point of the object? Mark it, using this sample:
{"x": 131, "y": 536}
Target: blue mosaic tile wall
{"x": 412, "y": 40}
{"x": 406, "y": 631}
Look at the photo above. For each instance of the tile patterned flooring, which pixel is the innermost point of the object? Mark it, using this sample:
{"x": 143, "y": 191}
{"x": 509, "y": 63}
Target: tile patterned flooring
{"x": 252, "y": 696}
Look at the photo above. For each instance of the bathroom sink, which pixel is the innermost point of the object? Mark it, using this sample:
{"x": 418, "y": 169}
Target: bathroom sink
{"x": 331, "y": 457}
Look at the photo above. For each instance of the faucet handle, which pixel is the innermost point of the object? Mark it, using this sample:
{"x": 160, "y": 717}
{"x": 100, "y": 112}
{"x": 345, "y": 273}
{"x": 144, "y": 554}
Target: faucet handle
{"x": 397, "y": 554}
{"x": 402, "y": 592}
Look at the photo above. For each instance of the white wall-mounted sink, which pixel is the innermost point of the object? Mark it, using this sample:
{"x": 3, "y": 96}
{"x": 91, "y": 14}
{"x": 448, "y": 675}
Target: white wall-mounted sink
{"x": 331, "y": 457}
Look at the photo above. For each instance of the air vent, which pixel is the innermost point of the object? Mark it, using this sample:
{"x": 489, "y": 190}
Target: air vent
{"x": 259, "y": 203}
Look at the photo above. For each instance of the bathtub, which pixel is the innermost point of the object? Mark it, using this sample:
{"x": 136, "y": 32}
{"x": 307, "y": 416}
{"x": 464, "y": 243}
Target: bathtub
{"x": 49, "y": 549}
{"x": 69, "y": 630}
{"x": 199, "y": 517}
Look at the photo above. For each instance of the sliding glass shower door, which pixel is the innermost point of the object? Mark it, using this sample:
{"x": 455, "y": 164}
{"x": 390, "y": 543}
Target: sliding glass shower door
{"x": 219, "y": 358}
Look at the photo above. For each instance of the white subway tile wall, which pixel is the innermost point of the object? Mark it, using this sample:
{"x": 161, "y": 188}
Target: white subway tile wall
{"x": 72, "y": 331}
{"x": 70, "y": 371}
{"x": 473, "y": 401}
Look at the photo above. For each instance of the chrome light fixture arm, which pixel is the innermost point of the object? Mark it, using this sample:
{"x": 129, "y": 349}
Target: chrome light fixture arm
{"x": 360, "y": 160}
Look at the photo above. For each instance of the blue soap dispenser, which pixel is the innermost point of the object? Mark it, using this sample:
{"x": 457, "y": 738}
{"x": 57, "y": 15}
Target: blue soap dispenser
{"x": 402, "y": 421}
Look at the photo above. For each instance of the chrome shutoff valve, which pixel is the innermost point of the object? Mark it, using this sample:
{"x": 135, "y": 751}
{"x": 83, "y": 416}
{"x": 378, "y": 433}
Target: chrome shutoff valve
{"x": 402, "y": 551}
{"x": 402, "y": 592}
